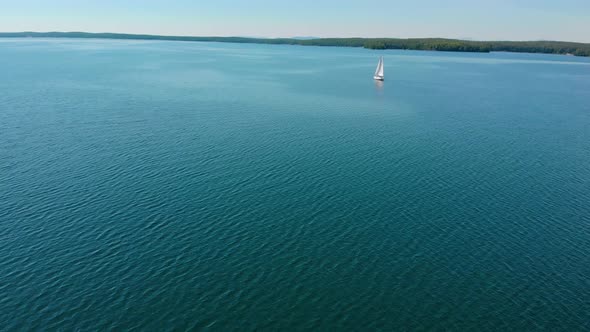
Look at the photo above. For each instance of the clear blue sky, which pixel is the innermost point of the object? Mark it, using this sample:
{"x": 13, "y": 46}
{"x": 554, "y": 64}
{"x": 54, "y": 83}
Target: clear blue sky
{"x": 477, "y": 19}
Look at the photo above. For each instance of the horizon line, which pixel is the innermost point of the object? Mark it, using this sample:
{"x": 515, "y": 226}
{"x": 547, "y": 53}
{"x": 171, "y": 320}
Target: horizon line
{"x": 467, "y": 39}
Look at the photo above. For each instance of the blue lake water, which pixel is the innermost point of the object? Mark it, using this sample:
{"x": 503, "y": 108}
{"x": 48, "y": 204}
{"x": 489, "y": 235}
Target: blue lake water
{"x": 169, "y": 185}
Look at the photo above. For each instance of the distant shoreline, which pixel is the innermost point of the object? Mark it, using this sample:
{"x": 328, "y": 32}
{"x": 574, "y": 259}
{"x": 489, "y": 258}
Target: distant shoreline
{"x": 423, "y": 44}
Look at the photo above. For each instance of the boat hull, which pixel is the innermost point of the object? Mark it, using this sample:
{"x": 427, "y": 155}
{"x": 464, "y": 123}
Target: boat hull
{"x": 378, "y": 78}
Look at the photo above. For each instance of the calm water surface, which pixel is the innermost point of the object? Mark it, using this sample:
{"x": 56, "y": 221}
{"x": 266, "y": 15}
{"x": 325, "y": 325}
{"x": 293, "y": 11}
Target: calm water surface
{"x": 169, "y": 185}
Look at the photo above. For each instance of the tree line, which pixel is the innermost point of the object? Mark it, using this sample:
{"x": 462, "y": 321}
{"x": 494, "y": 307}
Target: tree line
{"x": 427, "y": 44}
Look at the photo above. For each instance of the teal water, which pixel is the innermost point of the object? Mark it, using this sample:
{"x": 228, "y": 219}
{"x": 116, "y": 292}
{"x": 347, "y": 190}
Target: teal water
{"x": 169, "y": 185}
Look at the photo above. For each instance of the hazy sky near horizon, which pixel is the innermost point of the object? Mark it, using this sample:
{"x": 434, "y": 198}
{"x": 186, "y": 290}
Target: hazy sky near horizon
{"x": 476, "y": 19}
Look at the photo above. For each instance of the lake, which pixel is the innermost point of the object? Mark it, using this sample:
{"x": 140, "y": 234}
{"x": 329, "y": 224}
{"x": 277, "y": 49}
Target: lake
{"x": 158, "y": 185}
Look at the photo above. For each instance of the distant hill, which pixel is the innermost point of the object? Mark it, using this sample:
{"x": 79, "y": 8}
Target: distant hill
{"x": 304, "y": 37}
{"x": 429, "y": 44}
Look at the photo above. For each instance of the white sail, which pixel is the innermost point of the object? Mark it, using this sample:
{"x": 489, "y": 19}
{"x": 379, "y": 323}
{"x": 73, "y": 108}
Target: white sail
{"x": 379, "y": 70}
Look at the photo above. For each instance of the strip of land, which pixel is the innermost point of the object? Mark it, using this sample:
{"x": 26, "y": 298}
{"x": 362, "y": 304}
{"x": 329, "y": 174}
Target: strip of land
{"x": 427, "y": 44}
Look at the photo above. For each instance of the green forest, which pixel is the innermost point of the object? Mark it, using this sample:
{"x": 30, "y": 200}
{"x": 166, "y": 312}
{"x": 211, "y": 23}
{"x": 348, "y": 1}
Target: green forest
{"x": 428, "y": 44}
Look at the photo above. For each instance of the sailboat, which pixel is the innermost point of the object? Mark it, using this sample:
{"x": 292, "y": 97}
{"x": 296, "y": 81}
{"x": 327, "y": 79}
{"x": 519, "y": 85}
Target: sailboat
{"x": 379, "y": 71}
